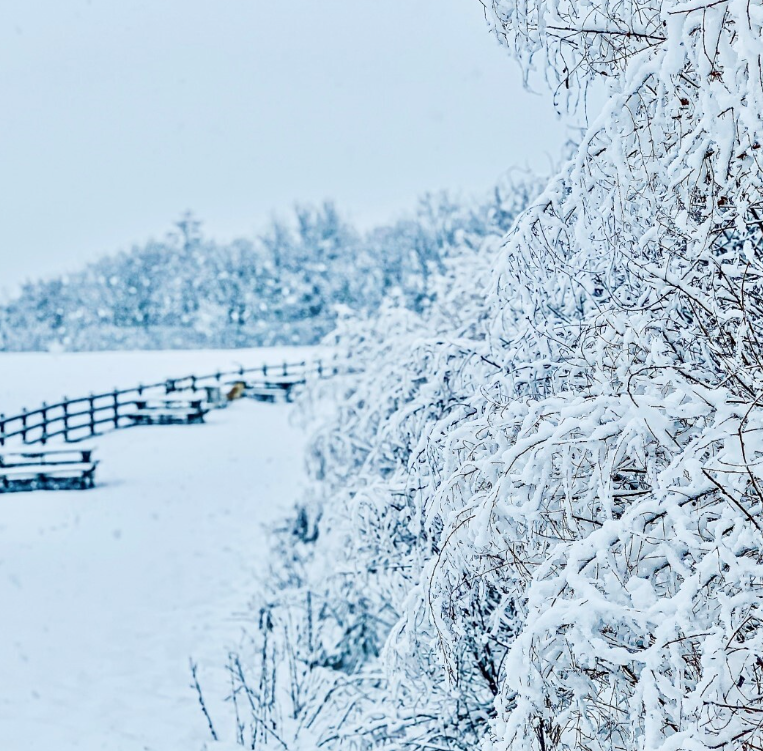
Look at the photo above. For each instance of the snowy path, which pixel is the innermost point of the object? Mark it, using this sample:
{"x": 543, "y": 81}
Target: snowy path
{"x": 105, "y": 594}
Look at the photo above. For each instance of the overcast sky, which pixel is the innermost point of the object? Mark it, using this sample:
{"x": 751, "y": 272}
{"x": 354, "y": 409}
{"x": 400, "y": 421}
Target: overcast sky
{"x": 118, "y": 115}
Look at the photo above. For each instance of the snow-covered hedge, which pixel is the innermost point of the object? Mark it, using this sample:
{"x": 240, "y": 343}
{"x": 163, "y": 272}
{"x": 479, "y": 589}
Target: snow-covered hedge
{"x": 541, "y": 506}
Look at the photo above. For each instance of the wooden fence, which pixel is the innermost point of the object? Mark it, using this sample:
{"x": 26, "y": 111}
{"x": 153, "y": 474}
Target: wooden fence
{"x": 87, "y": 416}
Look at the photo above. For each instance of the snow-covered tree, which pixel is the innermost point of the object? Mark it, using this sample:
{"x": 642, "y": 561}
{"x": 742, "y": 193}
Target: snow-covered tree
{"x": 614, "y": 513}
{"x": 284, "y": 286}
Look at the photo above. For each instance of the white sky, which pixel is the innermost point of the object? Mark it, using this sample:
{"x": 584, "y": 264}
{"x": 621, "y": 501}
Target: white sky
{"x": 118, "y": 115}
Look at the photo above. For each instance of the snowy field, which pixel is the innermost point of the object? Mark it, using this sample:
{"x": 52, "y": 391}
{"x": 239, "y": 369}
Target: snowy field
{"x": 106, "y": 594}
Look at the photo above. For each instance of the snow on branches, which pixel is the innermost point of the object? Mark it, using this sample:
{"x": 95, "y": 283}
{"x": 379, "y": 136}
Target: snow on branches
{"x": 545, "y": 496}
{"x": 345, "y": 564}
{"x": 610, "y": 530}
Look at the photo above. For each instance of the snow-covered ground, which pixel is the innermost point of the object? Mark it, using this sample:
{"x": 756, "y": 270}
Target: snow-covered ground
{"x": 106, "y": 594}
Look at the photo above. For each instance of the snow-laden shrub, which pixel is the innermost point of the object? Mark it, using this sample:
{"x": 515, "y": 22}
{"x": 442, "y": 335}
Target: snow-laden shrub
{"x": 345, "y": 564}
{"x": 547, "y": 496}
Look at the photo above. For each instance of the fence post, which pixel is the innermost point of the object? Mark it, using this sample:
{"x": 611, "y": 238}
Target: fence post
{"x": 91, "y": 400}
{"x": 23, "y": 425}
{"x": 320, "y": 368}
{"x": 264, "y": 371}
{"x": 2, "y": 430}
{"x": 218, "y": 376}
{"x": 44, "y": 413}
{"x": 285, "y": 369}
{"x": 65, "y": 405}
{"x": 140, "y": 389}
{"x": 193, "y": 383}
{"x": 116, "y": 408}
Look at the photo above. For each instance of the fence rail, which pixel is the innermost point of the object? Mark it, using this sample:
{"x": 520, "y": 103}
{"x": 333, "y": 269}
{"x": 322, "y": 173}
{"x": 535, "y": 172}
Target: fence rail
{"x": 95, "y": 414}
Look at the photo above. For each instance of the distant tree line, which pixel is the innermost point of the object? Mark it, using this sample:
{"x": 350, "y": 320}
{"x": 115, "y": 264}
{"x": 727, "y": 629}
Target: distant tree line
{"x": 285, "y": 286}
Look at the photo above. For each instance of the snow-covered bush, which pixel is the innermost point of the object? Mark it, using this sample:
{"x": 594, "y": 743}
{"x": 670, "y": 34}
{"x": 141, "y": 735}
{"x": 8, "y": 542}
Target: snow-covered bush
{"x": 346, "y": 563}
{"x": 549, "y": 493}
